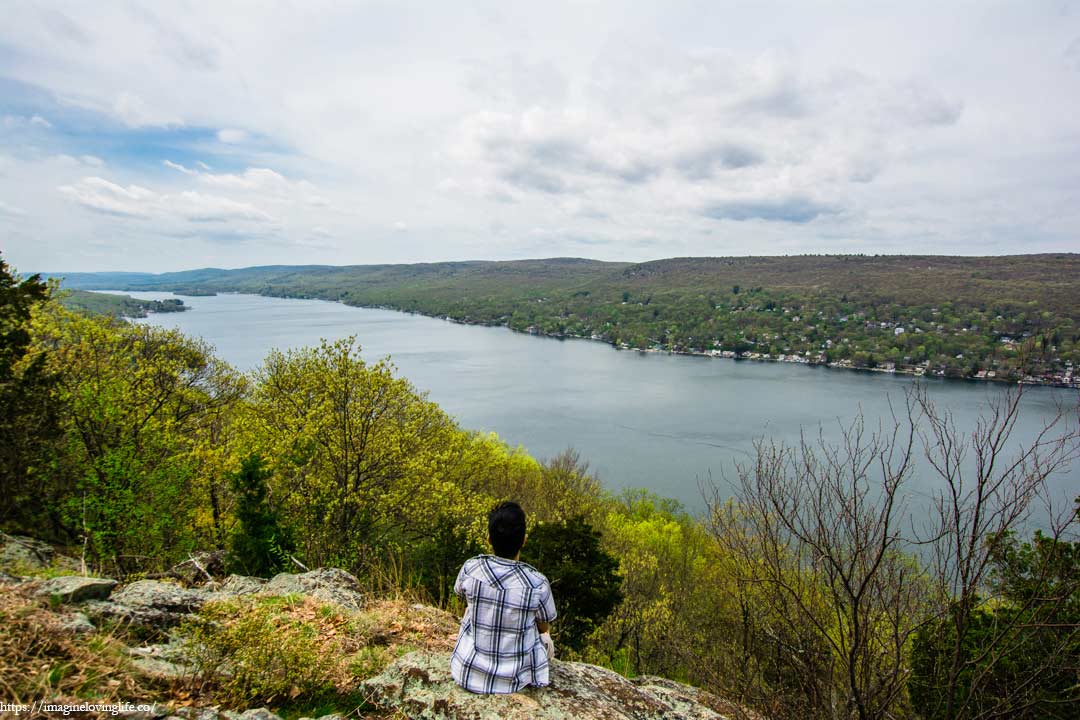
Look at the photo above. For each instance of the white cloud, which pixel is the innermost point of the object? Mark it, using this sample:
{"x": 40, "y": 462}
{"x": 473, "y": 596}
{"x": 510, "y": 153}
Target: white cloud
{"x": 258, "y": 179}
{"x": 40, "y": 122}
{"x": 135, "y": 112}
{"x": 178, "y": 167}
{"x": 232, "y": 136}
{"x": 133, "y": 201}
{"x": 11, "y": 210}
{"x": 682, "y": 129}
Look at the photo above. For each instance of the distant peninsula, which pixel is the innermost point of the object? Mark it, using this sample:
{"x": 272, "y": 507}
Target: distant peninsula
{"x": 98, "y": 303}
{"x": 1011, "y": 318}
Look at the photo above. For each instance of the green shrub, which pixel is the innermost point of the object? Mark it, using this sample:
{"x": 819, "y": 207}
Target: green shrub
{"x": 258, "y": 652}
{"x": 584, "y": 578}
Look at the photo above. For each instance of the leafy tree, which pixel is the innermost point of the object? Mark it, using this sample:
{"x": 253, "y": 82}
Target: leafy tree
{"x": 260, "y": 543}
{"x": 360, "y": 459}
{"x": 133, "y": 397}
{"x": 584, "y": 577}
{"x": 1019, "y": 653}
{"x": 29, "y": 413}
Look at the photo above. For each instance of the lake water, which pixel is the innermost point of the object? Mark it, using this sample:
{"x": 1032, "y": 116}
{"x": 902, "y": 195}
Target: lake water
{"x": 663, "y": 422}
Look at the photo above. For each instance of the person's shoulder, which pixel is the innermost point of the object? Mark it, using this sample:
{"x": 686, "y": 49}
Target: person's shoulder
{"x": 471, "y": 564}
{"x": 536, "y": 578}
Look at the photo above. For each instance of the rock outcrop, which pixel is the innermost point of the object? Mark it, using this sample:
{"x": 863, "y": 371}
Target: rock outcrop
{"x": 75, "y": 588}
{"x": 154, "y": 606}
{"x": 419, "y": 686}
{"x": 326, "y": 584}
{"x": 23, "y": 553}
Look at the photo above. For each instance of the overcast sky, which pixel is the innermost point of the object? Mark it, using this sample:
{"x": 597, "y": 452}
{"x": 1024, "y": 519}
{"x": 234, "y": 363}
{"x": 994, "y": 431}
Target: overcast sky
{"x": 169, "y": 135}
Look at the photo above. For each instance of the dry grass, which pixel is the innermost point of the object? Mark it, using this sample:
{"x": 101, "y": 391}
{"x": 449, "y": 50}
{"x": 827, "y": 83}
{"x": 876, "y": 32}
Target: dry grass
{"x": 327, "y": 651}
{"x": 40, "y": 659}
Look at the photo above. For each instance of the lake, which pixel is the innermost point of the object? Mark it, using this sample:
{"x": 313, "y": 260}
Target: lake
{"x": 663, "y": 422}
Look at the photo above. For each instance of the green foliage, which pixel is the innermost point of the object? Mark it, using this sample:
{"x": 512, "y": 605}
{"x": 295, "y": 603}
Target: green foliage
{"x": 134, "y": 400}
{"x": 583, "y": 576}
{"x": 359, "y": 458}
{"x": 1019, "y": 653}
{"x": 260, "y": 543}
{"x": 436, "y": 560}
{"x": 29, "y": 414}
{"x": 258, "y": 653}
{"x": 96, "y": 303}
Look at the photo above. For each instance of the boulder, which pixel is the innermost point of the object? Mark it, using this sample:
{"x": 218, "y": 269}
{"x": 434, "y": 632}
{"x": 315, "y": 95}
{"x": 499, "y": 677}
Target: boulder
{"x": 21, "y": 553}
{"x": 327, "y": 584}
{"x": 166, "y": 662}
{"x": 237, "y": 585}
{"x": 77, "y": 624}
{"x": 75, "y": 588}
{"x": 419, "y": 686}
{"x": 161, "y": 596}
{"x": 150, "y": 605}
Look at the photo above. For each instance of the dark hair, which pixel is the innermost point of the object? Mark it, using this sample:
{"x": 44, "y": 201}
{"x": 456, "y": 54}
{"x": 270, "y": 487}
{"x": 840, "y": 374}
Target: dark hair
{"x": 506, "y": 529}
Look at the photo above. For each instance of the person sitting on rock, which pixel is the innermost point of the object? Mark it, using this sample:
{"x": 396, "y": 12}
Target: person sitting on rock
{"x": 504, "y": 644}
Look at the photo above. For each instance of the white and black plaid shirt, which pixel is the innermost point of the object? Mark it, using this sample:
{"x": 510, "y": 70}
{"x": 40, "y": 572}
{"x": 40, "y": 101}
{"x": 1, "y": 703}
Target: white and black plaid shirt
{"x": 498, "y": 648}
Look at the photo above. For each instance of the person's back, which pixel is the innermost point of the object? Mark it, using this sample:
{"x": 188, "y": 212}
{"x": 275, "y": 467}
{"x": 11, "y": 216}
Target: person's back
{"x": 499, "y": 647}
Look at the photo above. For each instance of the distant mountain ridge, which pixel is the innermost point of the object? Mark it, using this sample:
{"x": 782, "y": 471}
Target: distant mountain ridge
{"x": 952, "y": 315}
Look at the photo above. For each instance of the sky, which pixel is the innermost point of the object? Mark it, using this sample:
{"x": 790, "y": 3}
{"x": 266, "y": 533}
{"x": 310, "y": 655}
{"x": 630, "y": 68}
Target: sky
{"x": 164, "y": 136}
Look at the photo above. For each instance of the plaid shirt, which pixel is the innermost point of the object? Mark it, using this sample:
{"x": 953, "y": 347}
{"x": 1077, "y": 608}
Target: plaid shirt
{"x": 498, "y": 648}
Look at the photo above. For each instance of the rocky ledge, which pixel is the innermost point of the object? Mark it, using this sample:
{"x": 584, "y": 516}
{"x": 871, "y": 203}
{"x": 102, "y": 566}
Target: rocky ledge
{"x": 419, "y": 686}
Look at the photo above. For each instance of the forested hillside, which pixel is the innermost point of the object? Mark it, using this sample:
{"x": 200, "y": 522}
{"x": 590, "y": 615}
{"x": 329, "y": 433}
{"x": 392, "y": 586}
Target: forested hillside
{"x": 1007, "y": 317}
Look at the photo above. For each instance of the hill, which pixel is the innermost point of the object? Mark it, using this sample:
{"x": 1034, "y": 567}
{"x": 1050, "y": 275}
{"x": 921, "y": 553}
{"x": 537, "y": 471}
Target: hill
{"x": 1007, "y": 316}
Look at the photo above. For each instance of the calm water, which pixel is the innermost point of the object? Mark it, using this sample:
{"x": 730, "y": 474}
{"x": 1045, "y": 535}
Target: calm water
{"x": 657, "y": 421}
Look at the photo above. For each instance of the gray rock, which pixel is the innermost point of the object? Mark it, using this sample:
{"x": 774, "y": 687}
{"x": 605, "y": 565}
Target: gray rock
{"x": 150, "y": 605}
{"x": 6, "y": 579}
{"x": 191, "y": 713}
{"x": 328, "y": 584}
{"x": 162, "y": 596}
{"x": 257, "y": 714}
{"x": 78, "y": 624}
{"x": 140, "y": 618}
{"x": 161, "y": 670}
{"x": 419, "y": 686}
{"x": 236, "y": 585}
{"x": 23, "y": 552}
{"x": 75, "y": 588}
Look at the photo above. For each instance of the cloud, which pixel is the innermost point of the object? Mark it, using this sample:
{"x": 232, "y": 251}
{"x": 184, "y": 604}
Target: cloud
{"x": 135, "y": 112}
{"x": 178, "y": 167}
{"x": 787, "y": 210}
{"x": 811, "y": 127}
{"x": 260, "y": 179}
{"x": 231, "y": 136}
{"x": 40, "y": 122}
{"x": 11, "y": 210}
{"x": 102, "y": 196}
{"x": 704, "y": 163}
{"x": 133, "y": 201}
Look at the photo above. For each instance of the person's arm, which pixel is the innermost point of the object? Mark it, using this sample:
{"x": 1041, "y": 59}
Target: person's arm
{"x": 543, "y": 626}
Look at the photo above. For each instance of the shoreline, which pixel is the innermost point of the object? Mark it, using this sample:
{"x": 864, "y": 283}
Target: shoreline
{"x": 715, "y": 354}
{"x": 916, "y": 371}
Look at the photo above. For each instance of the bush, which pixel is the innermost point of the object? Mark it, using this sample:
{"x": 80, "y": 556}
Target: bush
{"x": 584, "y": 578}
{"x": 272, "y": 650}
